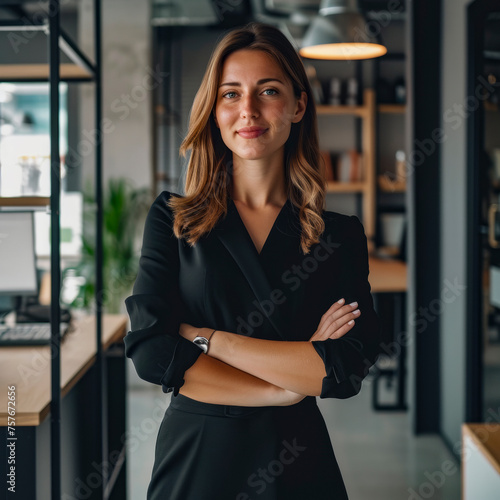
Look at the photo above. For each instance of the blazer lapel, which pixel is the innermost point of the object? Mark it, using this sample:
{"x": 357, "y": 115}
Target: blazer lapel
{"x": 234, "y": 236}
{"x": 280, "y": 261}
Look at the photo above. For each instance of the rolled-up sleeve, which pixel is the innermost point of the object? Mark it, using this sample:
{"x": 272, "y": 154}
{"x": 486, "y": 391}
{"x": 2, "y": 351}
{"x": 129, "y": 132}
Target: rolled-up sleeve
{"x": 159, "y": 353}
{"x": 348, "y": 359}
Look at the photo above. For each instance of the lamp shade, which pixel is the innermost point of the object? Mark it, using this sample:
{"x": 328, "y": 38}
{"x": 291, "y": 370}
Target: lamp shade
{"x": 340, "y": 34}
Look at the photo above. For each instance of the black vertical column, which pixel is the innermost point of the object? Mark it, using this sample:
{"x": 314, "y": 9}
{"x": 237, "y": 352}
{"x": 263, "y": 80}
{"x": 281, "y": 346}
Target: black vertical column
{"x": 55, "y": 253}
{"x": 475, "y": 121}
{"x": 423, "y": 163}
{"x": 100, "y": 364}
{"x": 167, "y": 98}
{"x": 477, "y": 13}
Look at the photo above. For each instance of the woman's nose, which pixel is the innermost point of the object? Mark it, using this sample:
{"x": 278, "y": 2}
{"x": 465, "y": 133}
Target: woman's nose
{"x": 249, "y": 107}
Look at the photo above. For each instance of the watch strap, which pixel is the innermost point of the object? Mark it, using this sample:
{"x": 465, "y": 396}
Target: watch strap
{"x": 203, "y": 343}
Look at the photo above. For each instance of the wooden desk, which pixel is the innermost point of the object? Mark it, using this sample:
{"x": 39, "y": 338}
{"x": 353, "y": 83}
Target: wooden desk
{"x": 390, "y": 276}
{"x": 387, "y": 275}
{"x": 481, "y": 461}
{"x": 28, "y": 369}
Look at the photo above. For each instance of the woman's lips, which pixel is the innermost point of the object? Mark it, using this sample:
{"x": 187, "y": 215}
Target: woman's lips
{"x": 251, "y": 132}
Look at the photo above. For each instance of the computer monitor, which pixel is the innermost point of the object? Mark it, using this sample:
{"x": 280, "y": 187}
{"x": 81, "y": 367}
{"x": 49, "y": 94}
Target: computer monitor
{"x": 18, "y": 275}
{"x": 71, "y": 228}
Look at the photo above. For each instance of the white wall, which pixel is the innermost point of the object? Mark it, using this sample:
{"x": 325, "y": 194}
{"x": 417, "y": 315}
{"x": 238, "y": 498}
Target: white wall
{"x": 126, "y": 61}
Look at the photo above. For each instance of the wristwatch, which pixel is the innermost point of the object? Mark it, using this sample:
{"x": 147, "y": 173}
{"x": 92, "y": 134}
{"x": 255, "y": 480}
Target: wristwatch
{"x": 203, "y": 343}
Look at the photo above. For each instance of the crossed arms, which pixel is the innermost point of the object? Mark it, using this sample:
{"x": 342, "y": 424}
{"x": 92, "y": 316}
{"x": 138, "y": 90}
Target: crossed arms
{"x": 240, "y": 370}
{"x": 247, "y": 371}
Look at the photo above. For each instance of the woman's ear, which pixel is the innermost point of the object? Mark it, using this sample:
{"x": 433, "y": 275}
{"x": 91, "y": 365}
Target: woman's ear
{"x": 300, "y": 107}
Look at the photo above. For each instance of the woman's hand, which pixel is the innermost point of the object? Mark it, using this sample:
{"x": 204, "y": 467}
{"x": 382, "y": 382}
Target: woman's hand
{"x": 335, "y": 322}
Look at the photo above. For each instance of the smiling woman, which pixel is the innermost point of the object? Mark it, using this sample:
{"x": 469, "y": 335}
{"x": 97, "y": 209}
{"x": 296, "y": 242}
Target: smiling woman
{"x": 249, "y": 58}
{"x": 249, "y": 266}
{"x": 255, "y": 108}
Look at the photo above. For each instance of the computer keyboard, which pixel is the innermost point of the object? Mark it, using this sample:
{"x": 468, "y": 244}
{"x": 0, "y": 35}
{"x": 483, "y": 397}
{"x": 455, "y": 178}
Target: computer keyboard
{"x": 23, "y": 334}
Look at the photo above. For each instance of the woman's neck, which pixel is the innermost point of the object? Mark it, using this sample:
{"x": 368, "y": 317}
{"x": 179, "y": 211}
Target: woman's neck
{"x": 258, "y": 184}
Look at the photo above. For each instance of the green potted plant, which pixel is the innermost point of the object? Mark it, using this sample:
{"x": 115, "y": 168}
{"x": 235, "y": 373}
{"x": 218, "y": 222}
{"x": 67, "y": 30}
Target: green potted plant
{"x": 124, "y": 211}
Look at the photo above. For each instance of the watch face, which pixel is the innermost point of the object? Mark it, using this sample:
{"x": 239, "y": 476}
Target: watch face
{"x": 202, "y": 343}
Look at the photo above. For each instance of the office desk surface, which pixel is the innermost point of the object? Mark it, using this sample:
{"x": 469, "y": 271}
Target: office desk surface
{"x": 486, "y": 437}
{"x": 28, "y": 368}
{"x": 387, "y": 275}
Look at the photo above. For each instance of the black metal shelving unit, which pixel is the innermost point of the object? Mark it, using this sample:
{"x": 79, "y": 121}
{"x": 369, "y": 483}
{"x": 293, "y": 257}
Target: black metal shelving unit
{"x": 396, "y": 371}
{"x": 59, "y": 40}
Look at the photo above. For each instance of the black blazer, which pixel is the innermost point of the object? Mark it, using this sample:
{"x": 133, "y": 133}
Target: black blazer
{"x": 224, "y": 283}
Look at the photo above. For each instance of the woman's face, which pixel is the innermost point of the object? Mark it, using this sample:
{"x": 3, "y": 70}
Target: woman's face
{"x": 256, "y": 105}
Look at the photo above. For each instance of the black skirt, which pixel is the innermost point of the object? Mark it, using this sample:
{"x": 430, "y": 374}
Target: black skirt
{"x": 217, "y": 452}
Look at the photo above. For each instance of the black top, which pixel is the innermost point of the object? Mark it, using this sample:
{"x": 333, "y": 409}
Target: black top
{"x": 224, "y": 283}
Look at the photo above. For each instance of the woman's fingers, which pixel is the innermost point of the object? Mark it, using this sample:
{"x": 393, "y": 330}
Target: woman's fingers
{"x": 340, "y": 332}
{"x": 333, "y": 308}
{"x": 335, "y": 330}
{"x": 337, "y": 321}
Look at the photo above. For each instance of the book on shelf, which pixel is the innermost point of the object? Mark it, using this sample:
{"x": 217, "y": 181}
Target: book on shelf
{"x": 349, "y": 166}
{"x": 327, "y": 166}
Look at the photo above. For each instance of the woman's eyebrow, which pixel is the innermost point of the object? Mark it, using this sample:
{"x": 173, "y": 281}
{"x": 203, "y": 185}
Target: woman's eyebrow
{"x": 260, "y": 82}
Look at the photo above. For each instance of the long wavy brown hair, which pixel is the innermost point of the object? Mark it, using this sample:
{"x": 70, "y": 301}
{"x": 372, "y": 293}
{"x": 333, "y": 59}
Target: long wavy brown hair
{"x": 209, "y": 170}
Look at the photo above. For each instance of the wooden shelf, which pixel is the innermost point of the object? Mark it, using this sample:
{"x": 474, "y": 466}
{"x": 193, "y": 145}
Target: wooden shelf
{"x": 366, "y": 187}
{"x": 11, "y": 72}
{"x": 385, "y": 252}
{"x": 346, "y": 187}
{"x": 392, "y": 108}
{"x": 24, "y": 201}
{"x": 324, "y": 109}
{"x": 389, "y": 186}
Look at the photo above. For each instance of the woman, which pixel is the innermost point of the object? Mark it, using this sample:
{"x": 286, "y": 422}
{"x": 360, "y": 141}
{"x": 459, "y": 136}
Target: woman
{"x": 246, "y": 302}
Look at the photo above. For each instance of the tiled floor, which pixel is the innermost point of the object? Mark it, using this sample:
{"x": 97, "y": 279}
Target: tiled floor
{"x": 378, "y": 456}
{"x": 381, "y": 460}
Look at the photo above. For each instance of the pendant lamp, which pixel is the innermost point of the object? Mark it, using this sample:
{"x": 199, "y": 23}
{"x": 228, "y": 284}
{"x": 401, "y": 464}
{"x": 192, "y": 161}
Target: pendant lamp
{"x": 340, "y": 32}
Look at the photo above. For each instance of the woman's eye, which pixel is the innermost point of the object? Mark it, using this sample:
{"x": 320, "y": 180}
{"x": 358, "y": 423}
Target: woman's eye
{"x": 229, "y": 94}
{"x": 273, "y": 92}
